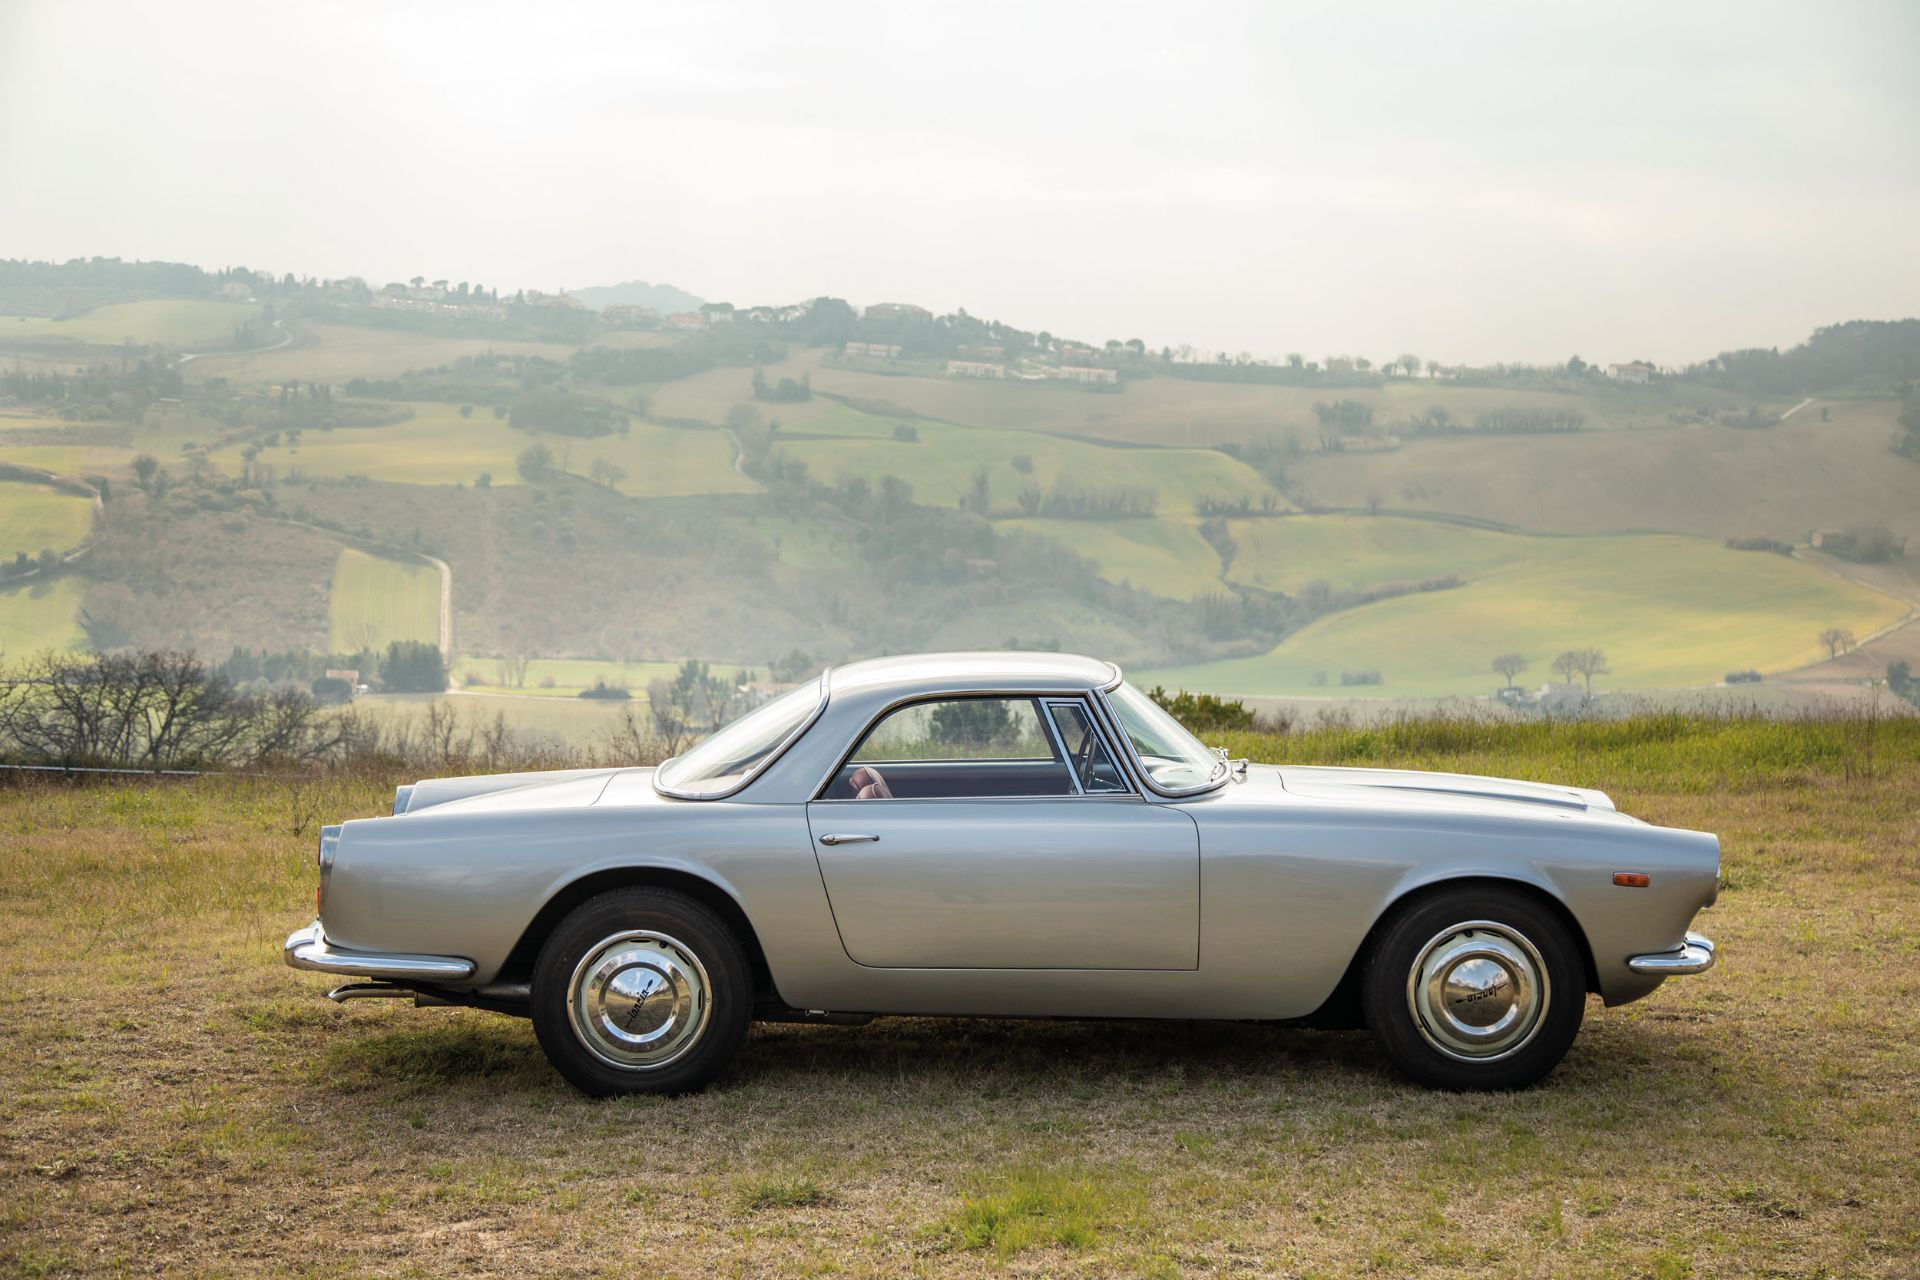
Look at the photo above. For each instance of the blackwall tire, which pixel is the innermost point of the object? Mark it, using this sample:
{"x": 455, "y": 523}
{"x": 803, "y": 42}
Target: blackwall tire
{"x": 641, "y": 991}
{"x": 1475, "y": 988}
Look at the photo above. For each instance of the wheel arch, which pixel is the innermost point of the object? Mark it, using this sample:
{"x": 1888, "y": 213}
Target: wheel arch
{"x": 520, "y": 960}
{"x": 1342, "y": 1007}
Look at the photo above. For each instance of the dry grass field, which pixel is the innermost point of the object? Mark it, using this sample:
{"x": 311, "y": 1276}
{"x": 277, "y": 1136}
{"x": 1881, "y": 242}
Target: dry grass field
{"x": 174, "y": 1101}
{"x": 176, "y": 322}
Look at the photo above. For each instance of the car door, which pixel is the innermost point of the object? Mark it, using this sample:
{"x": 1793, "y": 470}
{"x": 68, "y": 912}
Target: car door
{"x": 1000, "y": 834}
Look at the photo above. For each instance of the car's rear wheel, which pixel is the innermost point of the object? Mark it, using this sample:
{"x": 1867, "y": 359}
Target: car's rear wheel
{"x": 1475, "y": 988}
{"x": 641, "y": 991}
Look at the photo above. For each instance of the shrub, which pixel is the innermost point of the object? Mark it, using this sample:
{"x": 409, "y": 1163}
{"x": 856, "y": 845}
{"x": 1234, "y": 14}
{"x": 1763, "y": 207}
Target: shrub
{"x": 1360, "y": 677}
{"x": 607, "y": 692}
{"x": 1743, "y": 677}
{"x": 1774, "y": 545}
{"x": 1203, "y": 712}
{"x": 414, "y": 666}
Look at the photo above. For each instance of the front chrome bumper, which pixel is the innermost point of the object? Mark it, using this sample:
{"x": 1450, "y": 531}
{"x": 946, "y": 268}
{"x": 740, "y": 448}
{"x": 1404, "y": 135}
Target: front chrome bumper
{"x": 308, "y": 948}
{"x": 1696, "y": 955}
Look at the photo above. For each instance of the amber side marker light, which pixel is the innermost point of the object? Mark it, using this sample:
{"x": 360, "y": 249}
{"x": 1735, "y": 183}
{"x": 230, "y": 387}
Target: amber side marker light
{"x": 1632, "y": 879}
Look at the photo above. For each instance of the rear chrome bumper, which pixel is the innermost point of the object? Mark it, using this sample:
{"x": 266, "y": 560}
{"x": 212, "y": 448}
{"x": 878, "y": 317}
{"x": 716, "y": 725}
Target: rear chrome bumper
{"x": 308, "y": 948}
{"x": 1696, "y": 955}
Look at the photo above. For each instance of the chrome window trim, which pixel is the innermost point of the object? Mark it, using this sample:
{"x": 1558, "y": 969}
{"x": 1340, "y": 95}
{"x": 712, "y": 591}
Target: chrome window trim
{"x": 1099, "y": 731}
{"x": 1215, "y": 780}
{"x": 819, "y": 795}
{"x": 772, "y": 757}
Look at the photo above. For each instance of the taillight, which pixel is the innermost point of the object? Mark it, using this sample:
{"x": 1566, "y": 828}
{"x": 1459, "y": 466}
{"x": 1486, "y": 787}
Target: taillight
{"x": 323, "y": 858}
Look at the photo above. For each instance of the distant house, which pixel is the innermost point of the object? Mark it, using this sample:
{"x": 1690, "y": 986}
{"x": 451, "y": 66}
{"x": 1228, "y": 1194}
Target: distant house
{"x": 621, "y": 315}
{"x": 975, "y": 369}
{"x": 234, "y": 291}
{"x": 1081, "y": 373}
{"x": 1639, "y": 372}
{"x": 874, "y": 350}
{"x": 687, "y": 320}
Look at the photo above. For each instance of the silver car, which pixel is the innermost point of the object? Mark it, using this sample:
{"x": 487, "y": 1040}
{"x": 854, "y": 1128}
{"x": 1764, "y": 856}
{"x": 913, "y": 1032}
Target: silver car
{"x": 1003, "y": 834}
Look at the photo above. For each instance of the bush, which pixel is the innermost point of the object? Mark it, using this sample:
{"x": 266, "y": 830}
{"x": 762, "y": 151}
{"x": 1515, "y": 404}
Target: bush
{"x": 1203, "y": 712}
{"x": 1360, "y": 677}
{"x": 1743, "y": 677}
{"x": 607, "y": 692}
{"x": 414, "y": 666}
{"x": 332, "y": 691}
{"x": 1872, "y": 544}
{"x": 1774, "y": 545}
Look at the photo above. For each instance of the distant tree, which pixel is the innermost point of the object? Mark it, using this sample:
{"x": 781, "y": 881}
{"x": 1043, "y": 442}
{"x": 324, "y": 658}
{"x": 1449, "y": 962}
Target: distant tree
{"x": 1409, "y": 364}
{"x": 979, "y": 496}
{"x": 607, "y": 473}
{"x": 1838, "y": 640}
{"x": 535, "y": 463}
{"x": 1510, "y": 665}
{"x": 973, "y": 723}
{"x": 414, "y": 666}
{"x": 484, "y": 480}
{"x": 143, "y": 468}
{"x": 1900, "y": 680}
{"x": 466, "y": 411}
{"x": 1585, "y": 663}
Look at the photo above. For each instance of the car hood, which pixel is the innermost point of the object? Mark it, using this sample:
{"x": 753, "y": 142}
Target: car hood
{"x": 1449, "y": 789}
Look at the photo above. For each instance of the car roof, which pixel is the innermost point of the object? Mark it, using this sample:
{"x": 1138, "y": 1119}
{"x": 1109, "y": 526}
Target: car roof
{"x": 1005, "y": 672}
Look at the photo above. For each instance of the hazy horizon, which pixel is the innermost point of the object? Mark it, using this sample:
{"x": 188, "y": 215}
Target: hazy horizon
{"x": 1473, "y": 185}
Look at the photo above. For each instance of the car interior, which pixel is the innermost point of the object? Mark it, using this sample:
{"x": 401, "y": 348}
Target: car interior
{"x": 980, "y": 747}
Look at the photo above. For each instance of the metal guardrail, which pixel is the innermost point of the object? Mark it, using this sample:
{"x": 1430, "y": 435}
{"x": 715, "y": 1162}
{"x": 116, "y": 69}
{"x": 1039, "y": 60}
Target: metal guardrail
{"x": 137, "y": 773}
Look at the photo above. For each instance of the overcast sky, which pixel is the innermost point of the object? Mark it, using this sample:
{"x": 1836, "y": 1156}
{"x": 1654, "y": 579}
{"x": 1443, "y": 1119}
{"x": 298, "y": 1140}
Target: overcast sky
{"x": 1471, "y": 182}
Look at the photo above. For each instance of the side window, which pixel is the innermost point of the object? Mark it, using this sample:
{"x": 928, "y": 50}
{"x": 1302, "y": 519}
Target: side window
{"x": 1087, "y": 754}
{"x": 955, "y": 748}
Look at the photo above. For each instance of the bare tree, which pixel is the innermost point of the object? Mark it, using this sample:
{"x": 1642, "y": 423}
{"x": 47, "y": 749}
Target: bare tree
{"x": 1567, "y": 665}
{"x": 1588, "y": 663}
{"x": 1509, "y": 665}
{"x": 1838, "y": 640}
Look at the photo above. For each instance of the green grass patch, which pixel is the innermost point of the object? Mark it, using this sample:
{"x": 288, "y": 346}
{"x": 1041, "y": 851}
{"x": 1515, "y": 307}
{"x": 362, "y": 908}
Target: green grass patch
{"x": 187, "y": 323}
{"x": 33, "y": 517}
{"x": 757, "y": 1195}
{"x": 1668, "y": 611}
{"x": 1073, "y": 1207}
{"x": 1165, "y": 556}
{"x": 376, "y": 601}
{"x": 43, "y": 613}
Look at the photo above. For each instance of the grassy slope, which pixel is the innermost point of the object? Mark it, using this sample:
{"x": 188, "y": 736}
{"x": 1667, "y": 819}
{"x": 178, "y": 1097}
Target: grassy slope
{"x": 438, "y": 446}
{"x": 1755, "y": 1120}
{"x": 1179, "y": 412}
{"x": 941, "y": 464}
{"x": 339, "y": 352}
{"x": 375, "y": 601}
{"x": 32, "y": 517}
{"x": 1166, "y": 556}
{"x": 1720, "y": 481}
{"x": 1666, "y": 610}
{"x": 41, "y": 614}
{"x": 176, "y": 322}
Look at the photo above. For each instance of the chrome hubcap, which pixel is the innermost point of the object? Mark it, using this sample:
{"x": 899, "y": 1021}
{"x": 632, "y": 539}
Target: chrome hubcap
{"x": 638, "y": 1000}
{"x": 1477, "y": 990}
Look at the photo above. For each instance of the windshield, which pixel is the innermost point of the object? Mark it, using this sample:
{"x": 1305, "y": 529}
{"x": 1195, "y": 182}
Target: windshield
{"x": 723, "y": 763}
{"x": 1173, "y": 758}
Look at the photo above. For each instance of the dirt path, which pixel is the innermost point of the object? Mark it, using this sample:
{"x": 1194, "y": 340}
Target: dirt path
{"x": 1797, "y": 408}
{"x": 446, "y": 605}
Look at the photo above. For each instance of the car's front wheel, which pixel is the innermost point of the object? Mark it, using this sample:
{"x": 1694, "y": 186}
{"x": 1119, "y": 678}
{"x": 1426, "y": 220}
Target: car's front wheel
{"x": 1475, "y": 988}
{"x": 641, "y": 991}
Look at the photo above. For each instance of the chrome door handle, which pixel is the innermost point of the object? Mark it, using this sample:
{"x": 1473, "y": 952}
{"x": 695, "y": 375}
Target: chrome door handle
{"x": 849, "y": 839}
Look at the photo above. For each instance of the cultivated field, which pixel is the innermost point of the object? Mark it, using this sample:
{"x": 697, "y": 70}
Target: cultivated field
{"x": 375, "y": 601}
{"x": 33, "y": 517}
{"x": 182, "y": 323}
{"x": 336, "y": 352}
{"x": 41, "y": 613}
{"x": 1175, "y": 411}
{"x": 175, "y": 1100}
{"x": 1723, "y": 482}
{"x": 438, "y": 446}
{"x": 1668, "y": 611}
{"x": 941, "y": 464}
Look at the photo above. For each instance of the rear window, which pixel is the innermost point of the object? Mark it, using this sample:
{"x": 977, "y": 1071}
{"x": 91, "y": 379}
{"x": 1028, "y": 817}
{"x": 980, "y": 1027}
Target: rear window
{"x": 728, "y": 760}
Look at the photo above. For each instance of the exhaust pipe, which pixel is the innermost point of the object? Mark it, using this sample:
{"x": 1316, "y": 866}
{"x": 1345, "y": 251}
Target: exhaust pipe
{"x": 368, "y": 991}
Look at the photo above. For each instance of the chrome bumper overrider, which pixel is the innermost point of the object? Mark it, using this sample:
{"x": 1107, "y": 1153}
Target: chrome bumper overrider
{"x": 308, "y": 949}
{"x": 1696, "y": 956}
